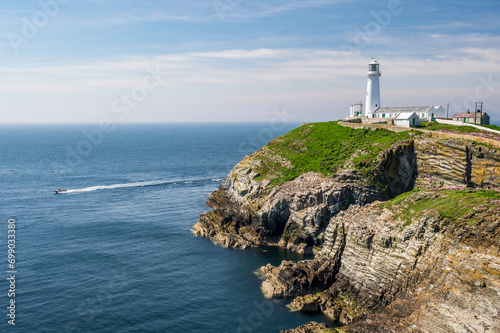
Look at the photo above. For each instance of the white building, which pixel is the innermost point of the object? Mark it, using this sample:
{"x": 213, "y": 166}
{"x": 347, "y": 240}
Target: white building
{"x": 406, "y": 119}
{"x": 373, "y": 88}
{"x": 424, "y": 113}
{"x": 356, "y": 110}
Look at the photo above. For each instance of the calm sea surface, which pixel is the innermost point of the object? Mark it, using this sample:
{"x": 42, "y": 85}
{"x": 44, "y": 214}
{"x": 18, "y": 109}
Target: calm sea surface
{"x": 115, "y": 253}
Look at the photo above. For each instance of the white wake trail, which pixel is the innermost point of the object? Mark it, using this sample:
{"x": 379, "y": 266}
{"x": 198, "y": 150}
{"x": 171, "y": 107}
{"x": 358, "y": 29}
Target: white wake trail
{"x": 136, "y": 184}
{"x": 125, "y": 185}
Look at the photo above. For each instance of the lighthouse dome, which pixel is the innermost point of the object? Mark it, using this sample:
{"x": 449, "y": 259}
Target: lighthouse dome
{"x": 374, "y": 67}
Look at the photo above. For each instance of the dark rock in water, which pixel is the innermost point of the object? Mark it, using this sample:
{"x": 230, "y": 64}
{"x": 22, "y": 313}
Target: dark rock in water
{"x": 292, "y": 279}
{"x": 312, "y": 327}
{"x": 308, "y": 303}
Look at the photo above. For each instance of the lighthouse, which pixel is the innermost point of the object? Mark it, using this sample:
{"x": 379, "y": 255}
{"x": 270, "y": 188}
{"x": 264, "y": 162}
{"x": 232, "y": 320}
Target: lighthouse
{"x": 373, "y": 88}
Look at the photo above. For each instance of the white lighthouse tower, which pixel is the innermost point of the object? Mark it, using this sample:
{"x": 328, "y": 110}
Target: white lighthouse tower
{"x": 373, "y": 89}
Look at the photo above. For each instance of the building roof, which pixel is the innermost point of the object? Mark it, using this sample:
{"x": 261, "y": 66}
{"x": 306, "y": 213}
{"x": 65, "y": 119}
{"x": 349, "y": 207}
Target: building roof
{"x": 469, "y": 115}
{"x": 405, "y": 115}
{"x": 404, "y": 109}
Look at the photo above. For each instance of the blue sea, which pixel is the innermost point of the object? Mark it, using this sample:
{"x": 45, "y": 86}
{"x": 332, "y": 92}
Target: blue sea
{"x": 116, "y": 253}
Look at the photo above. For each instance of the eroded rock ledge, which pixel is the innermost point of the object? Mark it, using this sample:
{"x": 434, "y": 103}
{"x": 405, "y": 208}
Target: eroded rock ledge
{"x": 432, "y": 275}
{"x": 294, "y": 215}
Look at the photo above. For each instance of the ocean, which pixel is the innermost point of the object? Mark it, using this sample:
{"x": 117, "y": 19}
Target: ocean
{"x": 116, "y": 253}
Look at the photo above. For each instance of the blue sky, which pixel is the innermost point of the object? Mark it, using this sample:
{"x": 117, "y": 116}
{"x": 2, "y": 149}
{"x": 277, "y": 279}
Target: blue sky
{"x": 241, "y": 60}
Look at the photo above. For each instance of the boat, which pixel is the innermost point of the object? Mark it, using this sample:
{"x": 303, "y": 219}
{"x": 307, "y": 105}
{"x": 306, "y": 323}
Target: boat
{"x": 59, "y": 191}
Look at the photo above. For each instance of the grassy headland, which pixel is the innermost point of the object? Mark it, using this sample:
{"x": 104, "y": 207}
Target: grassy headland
{"x": 324, "y": 148}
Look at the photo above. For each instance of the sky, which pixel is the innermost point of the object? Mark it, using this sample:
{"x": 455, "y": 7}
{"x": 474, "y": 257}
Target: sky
{"x": 241, "y": 60}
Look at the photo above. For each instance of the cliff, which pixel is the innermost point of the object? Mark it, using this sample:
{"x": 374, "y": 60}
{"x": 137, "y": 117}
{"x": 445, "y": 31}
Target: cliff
{"x": 414, "y": 264}
{"x": 419, "y": 262}
{"x": 455, "y": 162}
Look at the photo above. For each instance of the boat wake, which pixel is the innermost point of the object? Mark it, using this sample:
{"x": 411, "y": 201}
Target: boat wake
{"x": 142, "y": 184}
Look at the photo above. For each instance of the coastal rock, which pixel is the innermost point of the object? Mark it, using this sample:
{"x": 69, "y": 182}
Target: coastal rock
{"x": 296, "y": 278}
{"x": 398, "y": 166}
{"x": 312, "y": 327}
{"x": 430, "y": 275}
{"x": 294, "y": 215}
{"x": 308, "y": 303}
{"x": 454, "y": 163}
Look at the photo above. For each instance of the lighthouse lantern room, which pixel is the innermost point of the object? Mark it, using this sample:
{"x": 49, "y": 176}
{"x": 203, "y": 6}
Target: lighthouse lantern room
{"x": 373, "y": 88}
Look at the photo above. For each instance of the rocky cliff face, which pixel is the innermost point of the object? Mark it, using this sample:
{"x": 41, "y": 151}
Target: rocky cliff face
{"x": 295, "y": 215}
{"x": 433, "y": 275}
{"x": 452, "y": 162}
{"x": 377, "y": 269}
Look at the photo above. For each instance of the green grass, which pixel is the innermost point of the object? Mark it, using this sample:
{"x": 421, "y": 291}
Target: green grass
{"x": 397, "y": 200}
{"x": 433, "y": 126}
{"x": 495, "y": 127}
{"x": 450, "y": 204}
{"x": 325, "y": 148}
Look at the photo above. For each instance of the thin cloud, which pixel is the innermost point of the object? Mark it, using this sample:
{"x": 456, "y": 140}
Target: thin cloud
{"x": 438, "y": 36}
{"x": 269, "y": 10}
{"x": 240, "y": 54}
{"x": 125, "y": 19}
{"x": 450, "y": 25}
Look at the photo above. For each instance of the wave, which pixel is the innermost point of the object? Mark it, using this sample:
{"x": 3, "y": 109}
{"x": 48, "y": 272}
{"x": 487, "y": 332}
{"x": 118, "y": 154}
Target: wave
{"x": 141, "y": 184}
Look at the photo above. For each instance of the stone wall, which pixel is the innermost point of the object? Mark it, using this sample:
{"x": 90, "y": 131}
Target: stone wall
{"x": 386, "y": 126}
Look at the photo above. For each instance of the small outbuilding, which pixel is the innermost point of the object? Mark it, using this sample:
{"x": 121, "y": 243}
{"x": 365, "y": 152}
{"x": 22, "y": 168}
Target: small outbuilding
{"x": 356, "y": 110}
{"x": 479, "y": 118}
{"x": 406, "y": 119}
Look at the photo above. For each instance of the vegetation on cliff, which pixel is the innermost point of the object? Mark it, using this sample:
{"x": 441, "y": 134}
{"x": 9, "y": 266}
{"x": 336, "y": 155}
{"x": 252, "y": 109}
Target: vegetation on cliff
{"x": 467, "y": 130}
{"x": 454, "y": 204}
{"x": 434, "y": 126}
{"x": 495, "y": 127}
{"x": 324, "y": 148}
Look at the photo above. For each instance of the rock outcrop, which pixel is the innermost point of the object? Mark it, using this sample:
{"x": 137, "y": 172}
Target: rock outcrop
{"x": 432, "y": 275}
{"x": 452, "y": 162}
{"x": 295, "y": 214}
{"x": 311, "y": 328}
